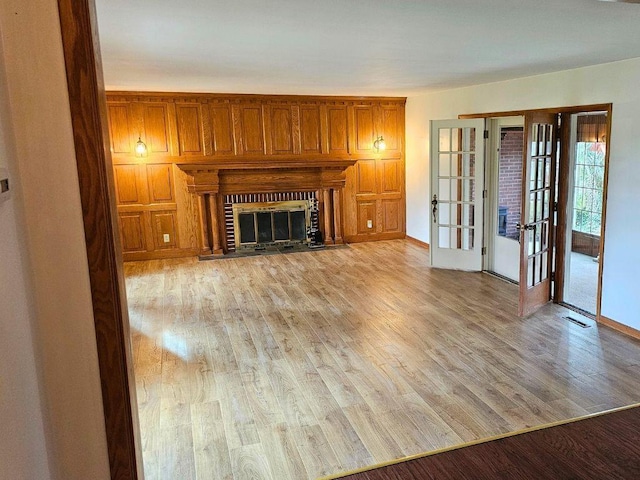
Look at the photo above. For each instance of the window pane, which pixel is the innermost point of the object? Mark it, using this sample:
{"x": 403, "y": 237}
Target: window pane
{"x": 443, "y": 237}
{"x": 455, "y": 139}
{"x": 444, "y": 192}
{"x": 467, "y": 238}
{"x": 467, "y": 215}
{"x": 469, "y": 165}
{"x": 530, "y": 272}
{"x": 444, "y": 140}
{"x": 469, "y": 140}
{"x": 468, "y": 192}
{"x": 444, "y": 210}
{"x": 456, "y": 165}
{"x": 444, "y": 169}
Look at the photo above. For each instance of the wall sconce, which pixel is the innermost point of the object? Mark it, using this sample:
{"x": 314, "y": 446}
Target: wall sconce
{"x": 141, "y": 148}
{"x": 379, "y": 144}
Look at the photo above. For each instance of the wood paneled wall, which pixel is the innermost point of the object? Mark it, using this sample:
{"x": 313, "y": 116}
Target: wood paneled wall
{"x": 158, "y": 216}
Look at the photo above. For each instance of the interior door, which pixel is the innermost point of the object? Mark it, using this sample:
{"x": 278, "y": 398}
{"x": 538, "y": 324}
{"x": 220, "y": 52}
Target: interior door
{"x": 457, "y": 183}
{"x": 536, "y": 222}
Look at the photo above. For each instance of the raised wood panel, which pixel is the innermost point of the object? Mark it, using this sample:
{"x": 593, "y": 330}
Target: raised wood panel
{"x": 310, "y": 129}
{"x": 281, "y": 130}
{"x": 392, "y": 121}
{"x": 120, "y": 128}
{"x": 392, "y": 215}
{"x": 337, "y": 130}
{"x": 160, "y": 181}
{"x": 189, "y": 120}
{"x": 132, "y": 231}
{"x": 252, "y": 130}
{"x": 391, "y": 175}
{"x": 164, "y": 223}
{"x": 366, "y": 177}
{"x": 364, "y": 129}
{"x": 221, "y": 129}
{"x": 156, "y": 128}
{"x": 127, "y": 179}
{"x": 266, "y": 130}
{"x": 366, "y": 214}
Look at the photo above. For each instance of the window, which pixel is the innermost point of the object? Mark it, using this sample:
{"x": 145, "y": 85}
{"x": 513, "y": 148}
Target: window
{"x": 589, "y": 180}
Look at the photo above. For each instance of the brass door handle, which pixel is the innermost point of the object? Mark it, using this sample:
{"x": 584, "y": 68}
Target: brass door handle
{"x": 526, "y": 226}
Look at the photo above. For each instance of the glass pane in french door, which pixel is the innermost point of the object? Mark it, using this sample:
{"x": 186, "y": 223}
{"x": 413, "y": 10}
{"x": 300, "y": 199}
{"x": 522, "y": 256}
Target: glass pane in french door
{"x": 456, "y": 188}
{"x": 539, "y": 204}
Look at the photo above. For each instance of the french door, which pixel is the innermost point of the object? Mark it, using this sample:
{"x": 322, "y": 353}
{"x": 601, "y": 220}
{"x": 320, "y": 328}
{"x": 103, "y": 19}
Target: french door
{"x": 457, "y": 184}
{"x": 536, "y": 221}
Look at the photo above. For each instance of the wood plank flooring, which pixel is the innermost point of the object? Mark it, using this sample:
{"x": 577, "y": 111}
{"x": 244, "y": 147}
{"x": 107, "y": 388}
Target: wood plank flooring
{"x": 309, "y": 364}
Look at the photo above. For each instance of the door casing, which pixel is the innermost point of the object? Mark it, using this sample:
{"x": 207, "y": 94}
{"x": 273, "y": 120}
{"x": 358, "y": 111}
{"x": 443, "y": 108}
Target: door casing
{"x": 563, "y": 188}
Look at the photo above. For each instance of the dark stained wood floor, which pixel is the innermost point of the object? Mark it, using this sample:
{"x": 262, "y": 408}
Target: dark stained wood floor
{"x": 604, "y": 447}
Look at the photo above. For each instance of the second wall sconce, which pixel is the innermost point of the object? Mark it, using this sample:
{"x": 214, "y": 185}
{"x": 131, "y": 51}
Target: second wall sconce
{"x": 379, "y": 144}
{"x": 141, "y": 148}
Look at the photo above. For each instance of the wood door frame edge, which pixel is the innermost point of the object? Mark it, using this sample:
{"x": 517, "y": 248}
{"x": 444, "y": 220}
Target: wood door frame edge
{"x": 87, "y": 103}
{"x": 595, "y": 107}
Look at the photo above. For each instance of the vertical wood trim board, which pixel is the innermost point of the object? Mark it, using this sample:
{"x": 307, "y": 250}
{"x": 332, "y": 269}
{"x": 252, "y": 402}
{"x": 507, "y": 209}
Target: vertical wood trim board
{"x": 95, "y": 174}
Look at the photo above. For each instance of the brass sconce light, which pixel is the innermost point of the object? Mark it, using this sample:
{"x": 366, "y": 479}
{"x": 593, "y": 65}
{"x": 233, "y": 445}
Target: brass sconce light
{"x": 379, "y": 144}
{"x": 141, "y": 148}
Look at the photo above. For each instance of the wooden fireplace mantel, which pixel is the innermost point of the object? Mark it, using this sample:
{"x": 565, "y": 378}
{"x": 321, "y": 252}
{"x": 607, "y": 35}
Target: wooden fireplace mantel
{"x": 211, "y": 181}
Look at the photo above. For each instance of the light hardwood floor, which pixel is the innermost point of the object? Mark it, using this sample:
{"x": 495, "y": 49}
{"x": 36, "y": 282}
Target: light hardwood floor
{"x": 301, "y": 365}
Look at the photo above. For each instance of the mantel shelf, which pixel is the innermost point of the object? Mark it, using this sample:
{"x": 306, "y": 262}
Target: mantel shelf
{"x": 262, "y": 164}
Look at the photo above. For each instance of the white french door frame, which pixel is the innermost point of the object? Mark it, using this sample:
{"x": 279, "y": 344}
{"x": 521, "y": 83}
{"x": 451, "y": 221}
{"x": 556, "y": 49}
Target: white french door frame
{"x": 457, "y": 164}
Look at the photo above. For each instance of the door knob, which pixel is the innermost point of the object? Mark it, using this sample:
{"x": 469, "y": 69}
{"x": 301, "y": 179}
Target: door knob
{"x": 526, "y": 226}
{"x": 434, "y": 202}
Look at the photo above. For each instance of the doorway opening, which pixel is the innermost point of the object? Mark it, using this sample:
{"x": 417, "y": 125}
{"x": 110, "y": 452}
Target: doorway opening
{"x": 586, "y": 182}
{"x": 504, "y": 203}
{"x": 560, "y": 158}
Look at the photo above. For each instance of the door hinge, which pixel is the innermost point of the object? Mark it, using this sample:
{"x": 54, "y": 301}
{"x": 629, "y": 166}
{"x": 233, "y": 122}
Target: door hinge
{"x": 553, "y": 276}
{"x": 555, "y": 206}
{"x": 484, "y": 250}
{"x": 484, "y": 194}
{"x": 486, "y": 134}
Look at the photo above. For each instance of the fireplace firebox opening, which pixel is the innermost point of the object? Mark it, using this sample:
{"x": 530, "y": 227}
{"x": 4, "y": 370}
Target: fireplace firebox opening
{"x": 259, "y": 225}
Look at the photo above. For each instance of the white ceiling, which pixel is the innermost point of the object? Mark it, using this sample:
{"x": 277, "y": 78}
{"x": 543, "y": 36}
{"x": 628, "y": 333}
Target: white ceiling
{"x": 354, "y": 47}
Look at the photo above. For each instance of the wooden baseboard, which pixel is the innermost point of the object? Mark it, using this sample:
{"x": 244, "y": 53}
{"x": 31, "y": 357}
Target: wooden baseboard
{"x": 627, "y": 330}
{"x": 420, "y": 243}
{"x": 159, "y": 254}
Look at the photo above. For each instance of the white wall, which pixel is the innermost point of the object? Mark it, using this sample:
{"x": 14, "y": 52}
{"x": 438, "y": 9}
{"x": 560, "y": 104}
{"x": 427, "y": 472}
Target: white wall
{"x": 23, "y": 452}
{"x": 617, "y": 83}
{"x": 57, "y": 287}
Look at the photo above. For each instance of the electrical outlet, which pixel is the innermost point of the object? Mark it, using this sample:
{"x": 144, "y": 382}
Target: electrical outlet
{"x": 166, "y": 238}
{"x": 369, "y": 223}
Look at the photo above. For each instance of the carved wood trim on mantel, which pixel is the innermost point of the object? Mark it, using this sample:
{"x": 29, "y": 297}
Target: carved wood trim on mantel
{"x": 213, "y": 180}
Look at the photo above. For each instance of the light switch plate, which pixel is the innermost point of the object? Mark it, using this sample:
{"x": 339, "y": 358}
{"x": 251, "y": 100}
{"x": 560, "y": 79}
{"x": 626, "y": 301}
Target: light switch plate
{"x": 369, "y": 223}
{"x": 5, "y": 186}
{"x": 166, "y": 238}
